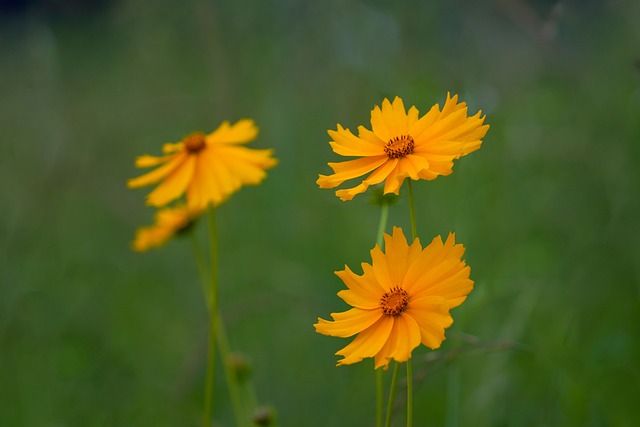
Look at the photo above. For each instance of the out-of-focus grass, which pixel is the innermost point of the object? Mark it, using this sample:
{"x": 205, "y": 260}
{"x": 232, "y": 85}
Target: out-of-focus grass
{"x": 93, "y": 334}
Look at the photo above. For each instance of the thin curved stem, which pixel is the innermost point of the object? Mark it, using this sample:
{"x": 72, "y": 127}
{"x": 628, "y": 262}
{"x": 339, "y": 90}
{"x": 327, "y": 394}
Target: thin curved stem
{"x": 221, "y": 338}
{"x": 201, "y": 265}
{"x": 213, "y": 318}
{"x": 379, "y": 397}
{"x": 392, "y": 394}
{"x": 382, "y": 225}
{"x": 409, "y": 395}
{"x": 412, "y": 211}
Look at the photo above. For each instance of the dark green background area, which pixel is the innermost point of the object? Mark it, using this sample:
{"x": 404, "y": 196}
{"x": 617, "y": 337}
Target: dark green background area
{"x": 92, "y": 334}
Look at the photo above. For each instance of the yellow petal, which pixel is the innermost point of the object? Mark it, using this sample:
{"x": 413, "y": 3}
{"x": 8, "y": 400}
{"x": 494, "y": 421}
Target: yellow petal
{"x": 383, "y": 356}
{"x": 377, "y": 176}
{"x": 442, "y": 150}
{"x": 172, "y": 147}
{"x": 349, "y": 193}
{"x": 218, "y": 182}
{"x": 355, "y": 299}
{"x": 258, "y": 158}
{"x": 422, "y": 262}
{"x": 364, "y": 285}
{"x": 173, "y": 185}
{"x": 396, "y": 255}
{"x": 428, "y": 174}
{"x": 440, "y": 271}
{"x": 409, "y": 333}
{"x": 450, "y": 250}
{"x": 412, "y": 117}
{"x": 347, "y": 144}
{"x": 434, "y": 274}
{"x": 168, "y": 221}
{"x": 451, "y": 125}
{"x": 394, "y": 180}
{"x": 396, "y": 118}
{"x": 446, "y": 125}
{"x": 150, "y": 237}
{"x": 371, "y": 137}
{"x": 403, "y": 339}
{"x": 245, "y": 173}
{"x": 203, "y": 188}
{"x": 147, "y": 161}
{"x": 367, "y": 343}
{"x": 454, "y": 287}
{"x": 411, "y": 166}
{"x": 378, "y": 122}
{"x": 381, "y": 173}
{"x": 348, "y": 323}
{"x": 381, "y": 269}
{"x": 157, "y": 174}
{"x": 418, "y": 127}
{"x": 241, "y": 132}
{"x": 432, "y": 317}
{"x": 392, "y": 120}
{"x": 349, "y": 170}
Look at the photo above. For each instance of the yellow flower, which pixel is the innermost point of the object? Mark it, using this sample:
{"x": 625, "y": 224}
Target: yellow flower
{"x": 169, "y": 221}
{"x": 401, "y": 300}
{"x": 402, "y": 145}
{"x": 208, "y": 167}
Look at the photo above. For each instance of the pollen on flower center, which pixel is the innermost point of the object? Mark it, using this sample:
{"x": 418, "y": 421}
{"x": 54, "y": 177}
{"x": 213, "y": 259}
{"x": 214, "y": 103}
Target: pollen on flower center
{"x": 194, "y": 142}
{"x": 399, "y": 146}
{"x": 394, "y": 302}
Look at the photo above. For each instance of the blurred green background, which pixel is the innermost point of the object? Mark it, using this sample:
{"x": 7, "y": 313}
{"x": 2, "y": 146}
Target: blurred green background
{"x": 92, "y": 334}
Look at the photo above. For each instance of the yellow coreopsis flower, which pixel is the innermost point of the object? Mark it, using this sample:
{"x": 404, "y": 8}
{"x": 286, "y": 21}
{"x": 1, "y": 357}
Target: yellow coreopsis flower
{"x": 209, "y": 168}
{"x": 402, "y": 299}
{"x": 168, "y": 222}
{"x": 402, "y": 145}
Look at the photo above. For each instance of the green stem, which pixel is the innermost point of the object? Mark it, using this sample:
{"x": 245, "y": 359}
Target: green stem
{"x": 379, "y": 397}
{"x": 409, "y": 395}
{"x": 202, "y": 267}
{"x": 382, "y": 225}
{"x": 213, "y": 319}
{"x": 392, "y": 394}
{"x": 412, "y": 211}
{"x": 221, "y": 338}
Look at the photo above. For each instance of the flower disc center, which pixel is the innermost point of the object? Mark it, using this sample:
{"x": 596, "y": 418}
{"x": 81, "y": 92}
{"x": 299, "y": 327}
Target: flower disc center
{"x": 195, "y": 142}
{"x": 394, "y": 302}
{"x": 399, "y": 146}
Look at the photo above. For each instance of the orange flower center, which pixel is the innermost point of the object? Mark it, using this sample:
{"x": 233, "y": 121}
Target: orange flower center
{"x": 195, "y": 142}
{"x": 394, "y": 302}
{"x": 399, "y": 146}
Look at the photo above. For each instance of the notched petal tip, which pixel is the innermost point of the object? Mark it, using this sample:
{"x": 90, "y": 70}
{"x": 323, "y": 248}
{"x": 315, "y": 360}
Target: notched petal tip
{"x": 398, "y": 104}
{"x": 326, "y": 181}
{"x": 349, "y": 193}
{"x": 345, "y": 195}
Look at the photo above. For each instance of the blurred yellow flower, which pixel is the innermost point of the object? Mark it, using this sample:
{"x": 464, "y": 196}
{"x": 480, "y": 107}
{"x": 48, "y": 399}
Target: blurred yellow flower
{"x": 209, "y": 168}
{"x": 402, "y": 299}
{"x": 169, "y": 221}
{"x": 402, "y": 145}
